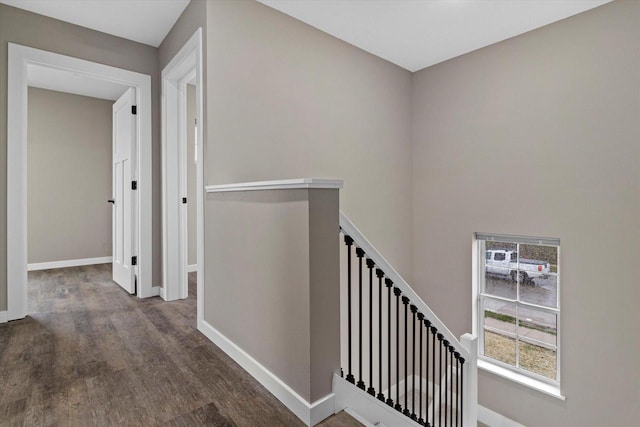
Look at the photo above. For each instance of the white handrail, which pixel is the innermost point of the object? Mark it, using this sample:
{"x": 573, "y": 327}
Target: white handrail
{"x": 360, "y": 241}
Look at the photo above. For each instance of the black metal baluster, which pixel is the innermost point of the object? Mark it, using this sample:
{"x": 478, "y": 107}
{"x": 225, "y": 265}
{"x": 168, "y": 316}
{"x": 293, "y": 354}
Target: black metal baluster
{"x": 420, "y": 419}
{"x": 451, "y": 349}
{"x": 406, "y": 412}
{"x": 360, "y": 254}
{"x": 461, "y": 390}
{"x": 388, "y": 283}
{"x": 349, "y": 241}
{"x": 380, "y": 274}
{"x": 370, "y": 265}
{"x": 446, "y": 379}
{"x": 440, "y": 336}
{"x": 433, "y": 372}
{"x": 457, "y": 357}
{"x": 397, "y": 293}
{"x": 427, "y": 323}
{"x": 414, "y": 310}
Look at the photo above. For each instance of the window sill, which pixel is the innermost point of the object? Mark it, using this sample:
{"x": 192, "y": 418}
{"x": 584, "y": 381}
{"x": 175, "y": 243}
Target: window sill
{"x": 548, "y": 389}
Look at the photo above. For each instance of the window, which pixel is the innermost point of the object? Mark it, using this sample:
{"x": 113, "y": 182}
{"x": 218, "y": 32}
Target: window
{"x": 518, "y": 305}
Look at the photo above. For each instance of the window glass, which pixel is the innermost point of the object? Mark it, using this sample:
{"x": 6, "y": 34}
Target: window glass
{"x": 500, "y": 329}
{"x": 497, "y": 280}
{"x": 500, "y": 347}
{"x": 518, "y": 305}
{"x": 538, "y": 267}
{"x": 499, "y": 316}
{"x": 537, "y": 326}
{"x": 538, "y": 359}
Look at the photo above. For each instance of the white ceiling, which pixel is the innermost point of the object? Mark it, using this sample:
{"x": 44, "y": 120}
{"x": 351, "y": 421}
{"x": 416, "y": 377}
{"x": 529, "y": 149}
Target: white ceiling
{"x": 415, "y": 34}
{"x": 71, "y": 82}
{"x": 144, "y": 21}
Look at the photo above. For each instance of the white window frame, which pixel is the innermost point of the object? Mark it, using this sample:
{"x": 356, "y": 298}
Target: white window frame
{"x": 517, "y": 374}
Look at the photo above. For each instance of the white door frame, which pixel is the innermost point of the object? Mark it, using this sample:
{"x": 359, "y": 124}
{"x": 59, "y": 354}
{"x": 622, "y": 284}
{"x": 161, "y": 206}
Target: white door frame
{"x": 19, "y": 58}
{"x": 174, "y": 219}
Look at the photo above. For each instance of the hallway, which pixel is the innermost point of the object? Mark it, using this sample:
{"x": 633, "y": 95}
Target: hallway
{"x": 89, "y": 354}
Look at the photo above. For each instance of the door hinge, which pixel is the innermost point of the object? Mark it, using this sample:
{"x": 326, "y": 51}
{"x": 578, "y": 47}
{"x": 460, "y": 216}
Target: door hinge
{"x": 134, "y": 109}
{"x": 134, "y": 185}
{"x": 134, "y": 260}
{"x": 184, "y": 200}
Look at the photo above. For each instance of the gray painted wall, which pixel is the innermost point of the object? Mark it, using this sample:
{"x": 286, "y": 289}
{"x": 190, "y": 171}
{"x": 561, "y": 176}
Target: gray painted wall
{"x": 539, "y": 136}
{"x": 275, "y": 291}
{"x": 288, "y": 101}
{"x": 69, "y": 176}
{"x": 29, "y": 29}
{"x": 194, "y": 16}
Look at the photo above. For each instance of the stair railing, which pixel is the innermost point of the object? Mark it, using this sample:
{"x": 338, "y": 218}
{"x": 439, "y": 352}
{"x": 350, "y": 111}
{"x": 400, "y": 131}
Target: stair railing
{"x": 443, "y": 366}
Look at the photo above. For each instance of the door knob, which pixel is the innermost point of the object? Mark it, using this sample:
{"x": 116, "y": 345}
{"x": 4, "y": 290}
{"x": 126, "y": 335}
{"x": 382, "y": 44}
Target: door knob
{"x": 111, "y": 201}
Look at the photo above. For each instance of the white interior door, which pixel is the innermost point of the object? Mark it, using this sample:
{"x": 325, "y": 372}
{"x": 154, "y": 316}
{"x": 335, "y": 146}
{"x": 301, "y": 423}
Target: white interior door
{"x": 124, "y": 201}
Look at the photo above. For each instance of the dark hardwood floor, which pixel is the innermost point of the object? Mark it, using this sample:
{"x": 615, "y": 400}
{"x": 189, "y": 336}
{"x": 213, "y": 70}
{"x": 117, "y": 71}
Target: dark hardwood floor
{"x": 89, "y": 354}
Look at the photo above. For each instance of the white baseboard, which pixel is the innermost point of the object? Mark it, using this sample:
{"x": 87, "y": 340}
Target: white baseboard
{"x": 68, "y": 263}
{"x": 4, "y": 317}
{"x": 321, "y": 409}
{"x": 192, "y": 267}
{"x": 494, "y": 419}
{"x": 310, "y": 413}
{"x": 155, "y": 291}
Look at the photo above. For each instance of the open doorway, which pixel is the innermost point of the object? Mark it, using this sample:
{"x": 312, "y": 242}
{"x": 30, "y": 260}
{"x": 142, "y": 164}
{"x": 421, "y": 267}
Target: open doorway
{"x": 27, "y": 67}
{"x": 70, "y": 153}
{"x": 181, "y": 123}
{"x": 191, "y": 169}
{"x": 69, "y": 179}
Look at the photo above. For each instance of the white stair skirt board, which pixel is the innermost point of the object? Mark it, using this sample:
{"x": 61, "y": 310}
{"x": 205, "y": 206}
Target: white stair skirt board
{"x": 359, "y": 401}
{"x": 68, "y": 263}
{"x": 192, "y": 267}
{"x": 362, "y": 420}
{"x": 3, "y": 317}
{"x": 494, "y": 419}
{"x": 310, "y": 413}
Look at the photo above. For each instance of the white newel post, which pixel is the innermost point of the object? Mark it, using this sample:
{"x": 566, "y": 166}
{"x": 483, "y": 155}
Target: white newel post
{"x": 470, "y": 386}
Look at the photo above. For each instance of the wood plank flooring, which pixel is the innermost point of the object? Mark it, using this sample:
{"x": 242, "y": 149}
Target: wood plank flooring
{"x": 89, "y": 354}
